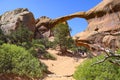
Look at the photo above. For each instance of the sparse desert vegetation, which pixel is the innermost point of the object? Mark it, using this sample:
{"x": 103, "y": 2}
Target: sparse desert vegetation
{"x": 43, "y": 48}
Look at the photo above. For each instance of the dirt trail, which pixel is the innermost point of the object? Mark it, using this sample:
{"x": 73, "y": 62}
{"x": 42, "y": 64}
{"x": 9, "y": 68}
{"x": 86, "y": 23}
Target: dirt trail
{"x": 62, "y": 68}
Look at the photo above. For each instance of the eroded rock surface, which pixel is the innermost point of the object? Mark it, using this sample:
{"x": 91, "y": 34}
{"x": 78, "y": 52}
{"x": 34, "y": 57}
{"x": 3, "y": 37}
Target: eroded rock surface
{"x": 11, "y": 20}
{"x": 44, "y": 26}
{"x": 103, "y": 21}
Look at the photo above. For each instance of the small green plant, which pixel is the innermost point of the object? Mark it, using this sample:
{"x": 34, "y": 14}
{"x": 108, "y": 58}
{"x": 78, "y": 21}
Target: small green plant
{"x": 102, "y": 71}
{"x": 44, "y": 41}
{"x": 36, "y": 48}
{"x": 2, "y": 37}
{"x": 49, "y": 56}
{"x": 1, "y": 42}
{"x": 15, "y": 59}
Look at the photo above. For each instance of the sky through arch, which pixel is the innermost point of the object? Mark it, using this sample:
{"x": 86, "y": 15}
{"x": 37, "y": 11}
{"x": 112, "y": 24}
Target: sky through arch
{"x": 77, "y": 25}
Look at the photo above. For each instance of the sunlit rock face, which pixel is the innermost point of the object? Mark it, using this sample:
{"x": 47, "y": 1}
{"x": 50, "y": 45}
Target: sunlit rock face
{"x": 11, "y": 20}
{"x": 103, "y": 25}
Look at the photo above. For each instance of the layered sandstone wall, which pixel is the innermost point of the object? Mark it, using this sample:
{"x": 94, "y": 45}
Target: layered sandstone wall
{"x": 103, "y": 21}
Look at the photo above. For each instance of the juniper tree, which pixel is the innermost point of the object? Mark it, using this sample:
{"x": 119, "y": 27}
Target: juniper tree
{"x": 62, "y": 37}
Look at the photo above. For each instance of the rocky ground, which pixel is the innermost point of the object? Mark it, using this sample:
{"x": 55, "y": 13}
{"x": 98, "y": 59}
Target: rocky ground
{"x": 62, "y": 68}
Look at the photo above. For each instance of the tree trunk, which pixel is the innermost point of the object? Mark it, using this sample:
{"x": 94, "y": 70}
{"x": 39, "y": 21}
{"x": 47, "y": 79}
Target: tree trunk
{"x": 63, "y": 49}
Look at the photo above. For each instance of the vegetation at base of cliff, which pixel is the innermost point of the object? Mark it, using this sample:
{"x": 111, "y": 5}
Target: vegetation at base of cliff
{"x": 102, "y": 71}
{"x": 49, "y": 56}
{"x": 20, "y": 35}
{"x": 15, "y": 59}
{"x": 23, "y": 37}
{"x": 19, "y": 53}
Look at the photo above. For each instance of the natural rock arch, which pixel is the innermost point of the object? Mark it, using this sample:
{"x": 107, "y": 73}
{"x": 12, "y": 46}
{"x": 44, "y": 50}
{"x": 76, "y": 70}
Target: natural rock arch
{"x": 47, "y": 23}
{"x": 103, "y": 20}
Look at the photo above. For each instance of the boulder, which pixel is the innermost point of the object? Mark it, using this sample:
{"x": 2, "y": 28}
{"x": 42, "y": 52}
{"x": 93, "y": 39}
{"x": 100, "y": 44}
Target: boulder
{"x": 11, "y": 20}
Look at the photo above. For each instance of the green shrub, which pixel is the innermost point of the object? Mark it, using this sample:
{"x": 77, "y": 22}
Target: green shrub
{"x": 1, "y": 42}
{"x": 20, "y": 35}
{"x": 2, "y": 37}
{"x": 15, "y": 59}
{"x": 102, "y": 71}
{"x": 49, "y": 56}
{"x": 37, "y": 48}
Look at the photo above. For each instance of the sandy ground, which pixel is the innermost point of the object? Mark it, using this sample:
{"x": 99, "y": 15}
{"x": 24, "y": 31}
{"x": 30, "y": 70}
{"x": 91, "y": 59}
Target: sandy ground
{"x": 62, "y": 68}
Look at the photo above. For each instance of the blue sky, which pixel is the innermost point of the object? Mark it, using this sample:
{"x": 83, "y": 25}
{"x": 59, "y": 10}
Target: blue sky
{"x": 53, "y": 9}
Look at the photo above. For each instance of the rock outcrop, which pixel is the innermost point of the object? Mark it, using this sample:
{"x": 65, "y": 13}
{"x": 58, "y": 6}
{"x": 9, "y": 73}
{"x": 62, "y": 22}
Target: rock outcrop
{"x": 103, "y": 22}
{"x": 43, "y": 30}
{"x": 11, "y": 20}
{"x": 45, "y": 24}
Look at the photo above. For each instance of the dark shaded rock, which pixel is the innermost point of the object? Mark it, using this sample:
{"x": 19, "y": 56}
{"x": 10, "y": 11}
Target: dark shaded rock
{"x": 42, "y": 27}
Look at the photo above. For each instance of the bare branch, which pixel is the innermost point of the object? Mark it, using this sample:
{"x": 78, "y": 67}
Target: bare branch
{"x": 114, "y": 62}
{"x": 111, "y": 55}
{"x": 101, "y": 61}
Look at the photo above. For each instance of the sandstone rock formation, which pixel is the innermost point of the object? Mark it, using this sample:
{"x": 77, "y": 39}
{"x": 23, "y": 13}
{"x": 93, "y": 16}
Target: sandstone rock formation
{"x": 103, "y": 24}
{"x": 103, "y": 21}
{"x": 42, "y": 30}
{"x": 11, "y": 20}
{"x": 45, "y": 24}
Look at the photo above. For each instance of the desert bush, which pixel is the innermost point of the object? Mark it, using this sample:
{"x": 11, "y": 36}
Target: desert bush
{"x": 1, "y": 42}
{"x": 15, "y": 59}
{"x": 102, "y": 71}
{"x": 49, "y": 56}
{"x": 22, "y": 34}
{"x": 2, "y": 37}
{"x": 38, "y": 49}
{"x": 18, "y": 36}
{"x": 44, "y": 41}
